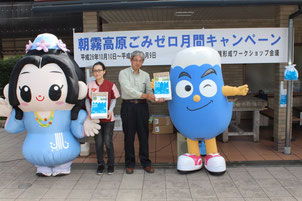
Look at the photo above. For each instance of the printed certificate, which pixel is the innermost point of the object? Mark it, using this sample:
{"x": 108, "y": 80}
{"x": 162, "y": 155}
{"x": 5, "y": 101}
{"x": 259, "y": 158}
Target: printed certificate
{"x": 99, "y": 105}
{"x": 162, "y": 86}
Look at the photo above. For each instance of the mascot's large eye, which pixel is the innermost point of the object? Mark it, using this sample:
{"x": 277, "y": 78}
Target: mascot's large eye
{"x": 184, "y": 88}
{"x": 55, "y": 92}
{"x": 25, "y": 93}
{"x": 208, "y": 88}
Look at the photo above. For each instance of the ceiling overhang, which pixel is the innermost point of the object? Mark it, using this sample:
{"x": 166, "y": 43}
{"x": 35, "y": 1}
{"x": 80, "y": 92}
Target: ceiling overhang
{"x": 95, "y": 5}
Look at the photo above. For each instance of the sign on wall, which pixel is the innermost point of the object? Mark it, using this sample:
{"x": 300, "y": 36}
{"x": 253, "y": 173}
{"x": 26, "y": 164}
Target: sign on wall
{"x": 235, "y": 46}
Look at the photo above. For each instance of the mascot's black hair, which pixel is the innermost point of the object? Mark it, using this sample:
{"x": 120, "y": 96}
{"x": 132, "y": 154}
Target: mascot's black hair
{"x": 70, "y": 68}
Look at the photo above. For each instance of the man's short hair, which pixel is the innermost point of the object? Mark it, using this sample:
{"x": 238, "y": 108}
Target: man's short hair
{"x": 138, "y": 53}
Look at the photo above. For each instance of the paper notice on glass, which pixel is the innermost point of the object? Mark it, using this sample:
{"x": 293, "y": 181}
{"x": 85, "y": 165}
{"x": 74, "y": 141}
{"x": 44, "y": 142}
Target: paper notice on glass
{"x": 162, "y": 86}
{"x": 99, "y": 105}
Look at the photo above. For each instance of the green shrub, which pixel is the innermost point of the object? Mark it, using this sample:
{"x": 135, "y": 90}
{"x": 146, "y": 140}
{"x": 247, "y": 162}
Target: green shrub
{"x": 6, "y": 66}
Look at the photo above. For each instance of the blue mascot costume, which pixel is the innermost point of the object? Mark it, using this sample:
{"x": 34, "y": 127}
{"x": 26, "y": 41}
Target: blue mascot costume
{"x": 45, "y": 97}
{"x": 199, "y": 108}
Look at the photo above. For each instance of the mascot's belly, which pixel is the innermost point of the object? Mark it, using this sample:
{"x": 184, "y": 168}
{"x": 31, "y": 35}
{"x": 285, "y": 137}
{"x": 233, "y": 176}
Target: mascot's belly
{"x": 50, "y": 149}
{"x": 205, "y": 123}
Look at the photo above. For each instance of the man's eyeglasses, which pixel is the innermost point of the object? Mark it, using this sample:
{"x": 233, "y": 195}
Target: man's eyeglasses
{"x": 97, "y": 71}
{"x": 136, "y": 60}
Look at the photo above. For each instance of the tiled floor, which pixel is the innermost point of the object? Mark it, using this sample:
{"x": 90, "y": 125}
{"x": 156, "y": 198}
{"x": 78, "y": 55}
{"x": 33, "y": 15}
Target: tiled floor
{"x": 247, "y": 183}
{"x": 240, "y": 183}
{"x": 163, "y": 148}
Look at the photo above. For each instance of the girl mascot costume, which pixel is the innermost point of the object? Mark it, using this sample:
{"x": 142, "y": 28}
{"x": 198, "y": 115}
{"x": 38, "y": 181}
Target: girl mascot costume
{"x": 45, "y": 96}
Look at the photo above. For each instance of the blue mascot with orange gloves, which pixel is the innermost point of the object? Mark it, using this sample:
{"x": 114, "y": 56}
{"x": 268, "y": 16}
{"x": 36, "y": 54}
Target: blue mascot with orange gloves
{"x": 199, "y": 108}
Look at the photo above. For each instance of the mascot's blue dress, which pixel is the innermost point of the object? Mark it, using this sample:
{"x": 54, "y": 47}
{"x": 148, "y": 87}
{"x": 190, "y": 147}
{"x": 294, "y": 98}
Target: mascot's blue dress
{"x": 53, "y": 145}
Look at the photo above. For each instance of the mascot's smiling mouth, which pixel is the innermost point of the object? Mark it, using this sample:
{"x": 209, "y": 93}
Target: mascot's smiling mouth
{"x": 211, "y": 101}
{"x": 40, "y": 99}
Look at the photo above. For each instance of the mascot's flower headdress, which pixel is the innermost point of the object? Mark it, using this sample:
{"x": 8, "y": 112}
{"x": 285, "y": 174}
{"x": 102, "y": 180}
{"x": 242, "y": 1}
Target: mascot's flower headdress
{"x": 46, "y": 42}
